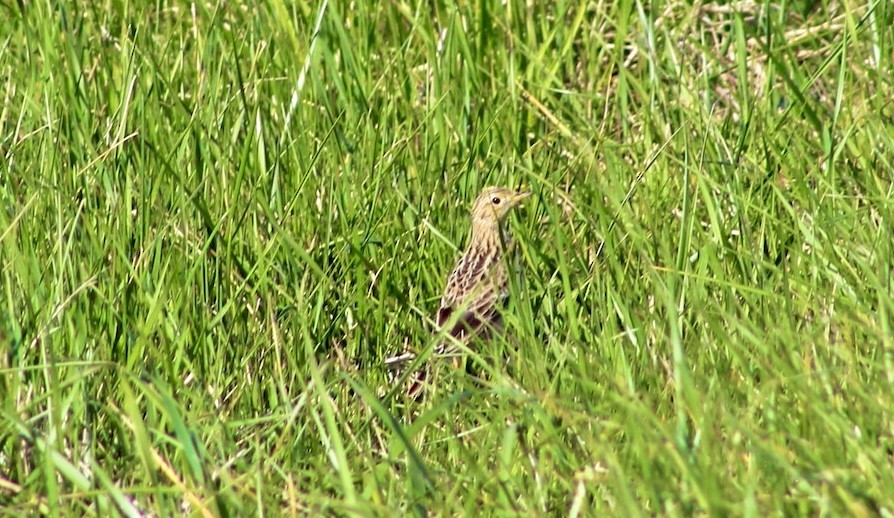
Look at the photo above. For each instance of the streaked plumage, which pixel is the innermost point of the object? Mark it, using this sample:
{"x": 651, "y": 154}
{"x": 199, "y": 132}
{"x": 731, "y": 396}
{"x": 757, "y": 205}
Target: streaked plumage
{"x": 478, "y": 284}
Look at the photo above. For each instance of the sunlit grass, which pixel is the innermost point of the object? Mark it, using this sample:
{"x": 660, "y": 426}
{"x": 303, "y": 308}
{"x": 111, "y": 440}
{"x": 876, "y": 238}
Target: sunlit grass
{"x": 220, "y": 218}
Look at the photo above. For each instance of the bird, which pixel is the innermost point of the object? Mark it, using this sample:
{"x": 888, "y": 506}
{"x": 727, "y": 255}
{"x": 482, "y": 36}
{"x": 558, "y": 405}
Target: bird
{"x": 478, "y": 284}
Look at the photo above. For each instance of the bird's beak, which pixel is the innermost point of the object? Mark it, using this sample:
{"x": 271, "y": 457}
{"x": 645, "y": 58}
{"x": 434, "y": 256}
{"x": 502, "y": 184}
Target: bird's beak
{"x": 519, "y": 196}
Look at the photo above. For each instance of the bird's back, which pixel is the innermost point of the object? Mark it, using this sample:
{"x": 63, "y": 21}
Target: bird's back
{"x": 476, "y": 287}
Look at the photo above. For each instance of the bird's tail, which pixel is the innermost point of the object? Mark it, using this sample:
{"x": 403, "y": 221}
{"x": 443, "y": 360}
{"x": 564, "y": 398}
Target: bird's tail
{"x": 392, "y": 362}
{"x": 417, "y": 381}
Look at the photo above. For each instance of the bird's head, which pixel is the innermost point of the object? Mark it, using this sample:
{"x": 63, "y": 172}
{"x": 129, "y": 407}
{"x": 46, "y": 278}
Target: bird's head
{"x": 494, "y": 203}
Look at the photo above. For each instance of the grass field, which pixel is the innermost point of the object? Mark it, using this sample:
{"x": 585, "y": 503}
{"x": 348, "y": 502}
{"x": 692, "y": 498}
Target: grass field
{"x": 219, "y": 218}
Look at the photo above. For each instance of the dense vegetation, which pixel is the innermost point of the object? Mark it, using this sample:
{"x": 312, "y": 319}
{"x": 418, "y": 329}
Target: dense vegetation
{"x": 219, "y": 218}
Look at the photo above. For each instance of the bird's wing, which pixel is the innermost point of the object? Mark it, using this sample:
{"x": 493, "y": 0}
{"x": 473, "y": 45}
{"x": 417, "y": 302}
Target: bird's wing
{"x": 476, "y": 286}
{"x": 470, "y": 271}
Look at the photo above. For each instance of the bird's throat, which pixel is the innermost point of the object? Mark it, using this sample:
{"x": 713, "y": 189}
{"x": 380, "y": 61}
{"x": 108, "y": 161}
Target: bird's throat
{"x": 490, "y": 237}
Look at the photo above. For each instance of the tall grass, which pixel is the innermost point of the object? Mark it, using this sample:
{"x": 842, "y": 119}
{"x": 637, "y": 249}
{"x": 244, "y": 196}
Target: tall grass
{"x": 219, "y": 218}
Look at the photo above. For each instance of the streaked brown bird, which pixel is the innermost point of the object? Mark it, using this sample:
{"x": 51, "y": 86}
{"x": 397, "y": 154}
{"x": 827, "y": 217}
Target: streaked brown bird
{"x": 478, "y": 285}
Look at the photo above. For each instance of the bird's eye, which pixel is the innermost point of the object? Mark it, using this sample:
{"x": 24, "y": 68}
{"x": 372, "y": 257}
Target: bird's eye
{"x": 495, "y": 201}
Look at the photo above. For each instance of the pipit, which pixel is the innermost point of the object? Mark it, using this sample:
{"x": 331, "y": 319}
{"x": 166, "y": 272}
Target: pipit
{"x": 478, "y": 285}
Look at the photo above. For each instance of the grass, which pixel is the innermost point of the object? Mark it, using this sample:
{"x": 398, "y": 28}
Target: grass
{"x": 219, "y": 218}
